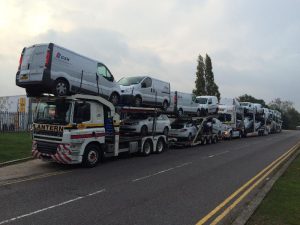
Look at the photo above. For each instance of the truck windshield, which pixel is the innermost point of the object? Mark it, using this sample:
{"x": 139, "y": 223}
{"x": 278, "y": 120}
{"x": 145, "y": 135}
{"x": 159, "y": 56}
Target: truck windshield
{"x": 202, "y": 100}
{"x": 53, "y": 112}
{"x": 127, "y": 81}
{"x": 224, "y": 117}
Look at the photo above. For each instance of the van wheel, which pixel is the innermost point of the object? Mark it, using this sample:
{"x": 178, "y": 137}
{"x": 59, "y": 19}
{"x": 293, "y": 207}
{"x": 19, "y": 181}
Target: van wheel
{"x": 144, "y": 130}
{"x": 33, "y": 93}
{"x": 114, "y": 98}
{"x": 91, "y": 156}
{"x": 198, "y": 113}
{"x": 160, "y": 146}
{"x": 147, "y": 148}
{"x": 137, "y": 101}
{"x": 165, "y": 105}
{"x": 61, "y": 88}
{"x": 166, "y": 131}
{"x": 206, "y": 113}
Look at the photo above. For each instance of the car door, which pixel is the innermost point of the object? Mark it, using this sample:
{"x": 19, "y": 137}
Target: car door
{"x": 147, "y": 91}
{"x": 105, "y": 80}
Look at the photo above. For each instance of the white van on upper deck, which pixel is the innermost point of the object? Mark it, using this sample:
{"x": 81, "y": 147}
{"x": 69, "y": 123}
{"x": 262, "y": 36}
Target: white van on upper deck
{"x": 48, "y": 68}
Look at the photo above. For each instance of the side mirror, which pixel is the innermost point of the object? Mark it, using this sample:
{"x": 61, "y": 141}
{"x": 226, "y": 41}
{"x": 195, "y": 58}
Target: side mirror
{"x": 143, "y": 85}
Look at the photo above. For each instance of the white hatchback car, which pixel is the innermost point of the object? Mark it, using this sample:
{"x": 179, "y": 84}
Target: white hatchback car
{"x": 185, "y": 130}
{"x": 143, "y": 124}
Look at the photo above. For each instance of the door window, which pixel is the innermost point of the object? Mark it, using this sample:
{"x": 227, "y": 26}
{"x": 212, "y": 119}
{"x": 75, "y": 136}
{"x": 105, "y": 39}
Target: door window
{"x": 82, "y": 112}
{"x": 147, "y": 82}
{"x": 104, "y": 72}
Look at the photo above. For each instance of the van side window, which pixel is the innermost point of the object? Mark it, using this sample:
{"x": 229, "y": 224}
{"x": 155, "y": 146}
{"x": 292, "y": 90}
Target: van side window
{"x": 148, "y": 82}
{"x": 82, "y": 112}
{"x": 104, "y": 72}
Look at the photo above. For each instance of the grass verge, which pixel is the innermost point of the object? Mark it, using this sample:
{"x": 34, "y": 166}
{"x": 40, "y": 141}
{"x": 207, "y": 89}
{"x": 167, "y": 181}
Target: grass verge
{"x": 281, "y": 206}
{"x": 14, "y": 146}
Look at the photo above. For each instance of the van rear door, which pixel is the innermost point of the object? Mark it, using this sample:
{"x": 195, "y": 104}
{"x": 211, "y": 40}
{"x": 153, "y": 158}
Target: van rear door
{"x": 33, "y": 63}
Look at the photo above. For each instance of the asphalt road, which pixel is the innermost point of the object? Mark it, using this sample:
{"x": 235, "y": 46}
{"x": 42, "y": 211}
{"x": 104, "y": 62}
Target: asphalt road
{"x": 179, "y": 186}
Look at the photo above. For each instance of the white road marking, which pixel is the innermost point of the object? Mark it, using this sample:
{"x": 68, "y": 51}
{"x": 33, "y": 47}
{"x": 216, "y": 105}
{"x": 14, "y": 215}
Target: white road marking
{"x": 162, "y": 171}
{"x": 220, "y": 153}
{"x": 50, "y": 207}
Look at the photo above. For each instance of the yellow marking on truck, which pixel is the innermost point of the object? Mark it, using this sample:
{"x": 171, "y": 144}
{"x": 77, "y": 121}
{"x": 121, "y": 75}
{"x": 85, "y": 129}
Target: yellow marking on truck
{"x": 271, "y": 166}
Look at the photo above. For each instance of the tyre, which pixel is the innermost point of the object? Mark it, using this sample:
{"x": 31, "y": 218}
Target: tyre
{"x": 61, "y": 88}
{"x": 33, "y": 93}
{"x": 137, "y": 101}
{"x": 165, "y": 105}
{"x": 206, "y": 112}
{"x": 198, "y": 113}
{"x": 209, "y": 141}
{"x": 166, "y": 131}
{"x": 114, "y": 99}
{"x": 144, "y": 130}
{"x": 190, "y": 137}
{"x": 147, "y": 148}
{"x": 160, "y": 146}
{"x": 91, "y": 156}
{"x": 180, "y": 112}
{"x": 204, "y": 141}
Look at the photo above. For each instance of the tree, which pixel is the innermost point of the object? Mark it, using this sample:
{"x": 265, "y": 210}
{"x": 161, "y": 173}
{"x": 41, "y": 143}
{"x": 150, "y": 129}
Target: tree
{"x": 211, "y": 87}
{"x": 200, "y": 88}
{"x": 290, "y": 116}
{"x": 250, "y": 98}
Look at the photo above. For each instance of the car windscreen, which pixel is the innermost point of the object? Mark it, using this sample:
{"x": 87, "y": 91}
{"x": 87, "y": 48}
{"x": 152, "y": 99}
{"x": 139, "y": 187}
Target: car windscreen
{"x": 127, "y": 81}
{"x": 53, "y": 112}
{"x": 201, "y": 100}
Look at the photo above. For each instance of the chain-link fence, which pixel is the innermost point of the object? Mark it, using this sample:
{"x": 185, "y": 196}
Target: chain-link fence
{"x": 14, "y": 122}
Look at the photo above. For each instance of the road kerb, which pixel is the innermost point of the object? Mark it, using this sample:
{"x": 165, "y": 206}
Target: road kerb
{"x": 16, "y": 161}
{"x": 247, "y": 212}
{"x": 245, "y": 187}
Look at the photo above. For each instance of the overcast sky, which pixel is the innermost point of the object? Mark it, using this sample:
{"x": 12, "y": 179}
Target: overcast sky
{"x": 254, "y": 45}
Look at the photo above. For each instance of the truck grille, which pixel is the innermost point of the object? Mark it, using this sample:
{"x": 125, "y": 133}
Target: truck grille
{"x": 46, "y": 147}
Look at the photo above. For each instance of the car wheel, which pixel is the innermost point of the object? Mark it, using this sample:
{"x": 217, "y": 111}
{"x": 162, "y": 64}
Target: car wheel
{"x": 137, "y": 101}
{"x": 180, "y": 112}
{"x": 114, "y": 98}
{"x": 190, "y": 137}
{"x": 147, "y": 148}
{"x": 61, "y": 88}
{"x": 91, "y": 156}
{"x": 165, "y": 105}
{"x": 144, "y": 130}
{"x": 160, "y": 146}
{"x": 166, "y": 131}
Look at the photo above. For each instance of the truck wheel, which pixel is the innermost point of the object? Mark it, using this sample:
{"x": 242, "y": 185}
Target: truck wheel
{"x": 147, "y": 148}
{"x": 144, "y": 130}
{"x": 61, "y": 88}
{"x": 160, "y": 146}
{"x": 165, "y": 105}
{"x": 91, "y": 156}
{"x": 114, "y": 98}
{"x": 137, "y": 101}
